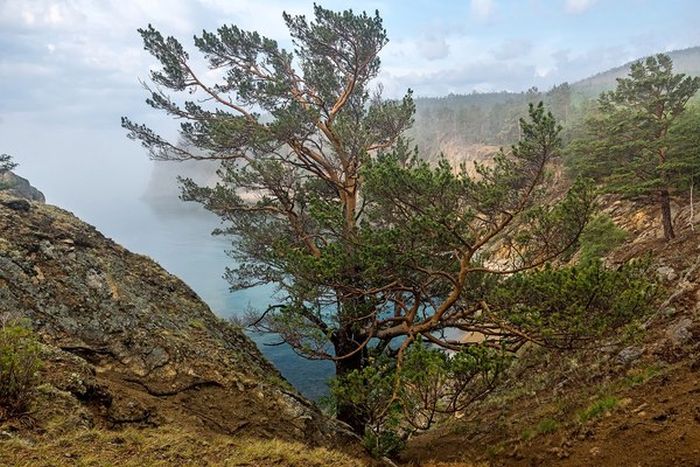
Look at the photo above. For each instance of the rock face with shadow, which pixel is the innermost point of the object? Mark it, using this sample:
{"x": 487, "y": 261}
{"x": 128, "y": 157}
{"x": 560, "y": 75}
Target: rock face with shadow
{"x": 14, "y": 185}
{"x": 130, "y": 344}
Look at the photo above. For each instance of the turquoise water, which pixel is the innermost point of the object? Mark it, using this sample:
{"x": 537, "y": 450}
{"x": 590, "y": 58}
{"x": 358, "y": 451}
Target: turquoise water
{"x": 180, "y": 240}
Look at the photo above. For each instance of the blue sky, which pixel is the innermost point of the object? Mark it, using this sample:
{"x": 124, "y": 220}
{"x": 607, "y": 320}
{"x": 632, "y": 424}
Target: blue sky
{"x": 69, "y": 69}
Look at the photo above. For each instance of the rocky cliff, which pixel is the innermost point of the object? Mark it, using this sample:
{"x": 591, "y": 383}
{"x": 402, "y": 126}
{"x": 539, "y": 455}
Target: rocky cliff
{"x": 126, "y": 344}
{"x": 17, "y": 186}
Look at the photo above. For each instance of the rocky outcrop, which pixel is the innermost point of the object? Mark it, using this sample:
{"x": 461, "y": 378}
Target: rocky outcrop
{"x": 19, "y": 187}
{"x": 134, "y": 344}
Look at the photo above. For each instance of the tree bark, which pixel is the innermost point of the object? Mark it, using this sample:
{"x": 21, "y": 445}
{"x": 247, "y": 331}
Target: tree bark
{"x": 665, "y": 200}
{"x": 345, "y": 344}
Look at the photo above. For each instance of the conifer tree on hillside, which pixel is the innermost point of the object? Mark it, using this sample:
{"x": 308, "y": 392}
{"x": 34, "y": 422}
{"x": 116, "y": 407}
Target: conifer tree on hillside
{"x": 626, "y": 143}
{"x": 6, "y": 163}
{"x": 372, "y": 249}
{"x": 684, "y": 146}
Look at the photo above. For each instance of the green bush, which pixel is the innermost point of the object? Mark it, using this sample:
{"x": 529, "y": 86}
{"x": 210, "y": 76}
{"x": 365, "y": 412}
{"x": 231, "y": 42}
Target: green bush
{"x": 19, "y": 363}
{"x": 567, "y": 306}
{"x": 600, "y": 237}
{"x": 6, "y": 163}
{"x": 384, "y": 443}
{"x": 429, "y": 386}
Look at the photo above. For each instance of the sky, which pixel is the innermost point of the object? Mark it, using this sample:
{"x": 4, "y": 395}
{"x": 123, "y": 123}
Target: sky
{"x": 70, "y": 69}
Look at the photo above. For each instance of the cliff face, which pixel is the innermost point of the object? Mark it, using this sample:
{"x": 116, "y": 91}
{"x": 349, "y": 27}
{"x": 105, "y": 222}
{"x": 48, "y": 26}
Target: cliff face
{"x": 131, "y": 344}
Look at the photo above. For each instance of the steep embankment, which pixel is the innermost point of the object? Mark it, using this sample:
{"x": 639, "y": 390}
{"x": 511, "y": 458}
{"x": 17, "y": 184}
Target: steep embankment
{"x": 629, "y": 401}
{"x": 127, "y": 345}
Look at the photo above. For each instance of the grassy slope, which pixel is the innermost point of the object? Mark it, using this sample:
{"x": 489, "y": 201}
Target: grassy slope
{"x": 165, "y": 447}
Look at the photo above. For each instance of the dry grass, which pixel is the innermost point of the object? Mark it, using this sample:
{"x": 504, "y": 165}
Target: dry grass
{"x": 164, "y": 447}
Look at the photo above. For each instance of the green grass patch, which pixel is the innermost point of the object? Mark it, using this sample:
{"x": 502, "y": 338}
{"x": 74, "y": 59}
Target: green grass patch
{"x": 545, "y": 426}
{"x": 528, "y": 434}
{"x": 638, "y": 376}
{"x": 598, "y": 408}
{"x": 496, "y": 449}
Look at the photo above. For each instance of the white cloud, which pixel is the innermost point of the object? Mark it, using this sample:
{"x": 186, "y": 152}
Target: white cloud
{"x": 85, "y": 36}
{"x": 512, "y": 48}
{"x": 264, "y": 17}
{"x": 482, "y": 9}
{"x": 25, "y": 69}
{"x": 578, "y": 6}
{"x": 108, "y": 17}
{"x": 434, "y": 47}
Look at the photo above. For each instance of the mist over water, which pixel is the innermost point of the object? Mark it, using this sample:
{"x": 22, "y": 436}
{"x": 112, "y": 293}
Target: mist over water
{"x": 101, "y": 177}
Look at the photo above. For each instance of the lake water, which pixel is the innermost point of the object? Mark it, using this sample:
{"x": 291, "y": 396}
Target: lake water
{"x": 180, "y": 240}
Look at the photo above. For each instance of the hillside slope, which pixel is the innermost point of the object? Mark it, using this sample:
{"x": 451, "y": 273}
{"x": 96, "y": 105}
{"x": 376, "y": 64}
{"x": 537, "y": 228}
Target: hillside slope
{"x": 128, "y": 345}
{"x": 628, "y": 401}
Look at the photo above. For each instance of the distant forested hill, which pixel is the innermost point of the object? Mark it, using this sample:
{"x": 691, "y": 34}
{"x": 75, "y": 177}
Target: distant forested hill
{"x": 465, "y": 128}
{"x": 684, "y": 61}
{"x": 458, "y": 125}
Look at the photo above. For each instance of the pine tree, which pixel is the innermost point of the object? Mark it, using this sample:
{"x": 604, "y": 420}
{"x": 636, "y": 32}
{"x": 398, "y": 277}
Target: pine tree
{"x": 684, "y": 147}
{"x": 626, "y": 145}
{"x": 371, "y": 248}
{"x": 6, "y": 163}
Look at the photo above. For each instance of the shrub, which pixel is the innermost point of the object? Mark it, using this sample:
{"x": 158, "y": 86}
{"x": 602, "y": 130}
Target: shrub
{"x": 429, "y": 386}
{"x": 383, "y": 443}
{"x": 570, "y": 305}
{"x": 19, "y": 363}
{"x": 600, "y": 237}
{"x": 6, "y": 163}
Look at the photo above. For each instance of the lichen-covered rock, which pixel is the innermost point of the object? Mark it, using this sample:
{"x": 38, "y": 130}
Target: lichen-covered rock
{"x": 628, "y": 355}
{"x": 18, "y": 204}
{"x": 667, "y": 273}
{"x": 135, "y": 344}
{"x": 680, "y": 332}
